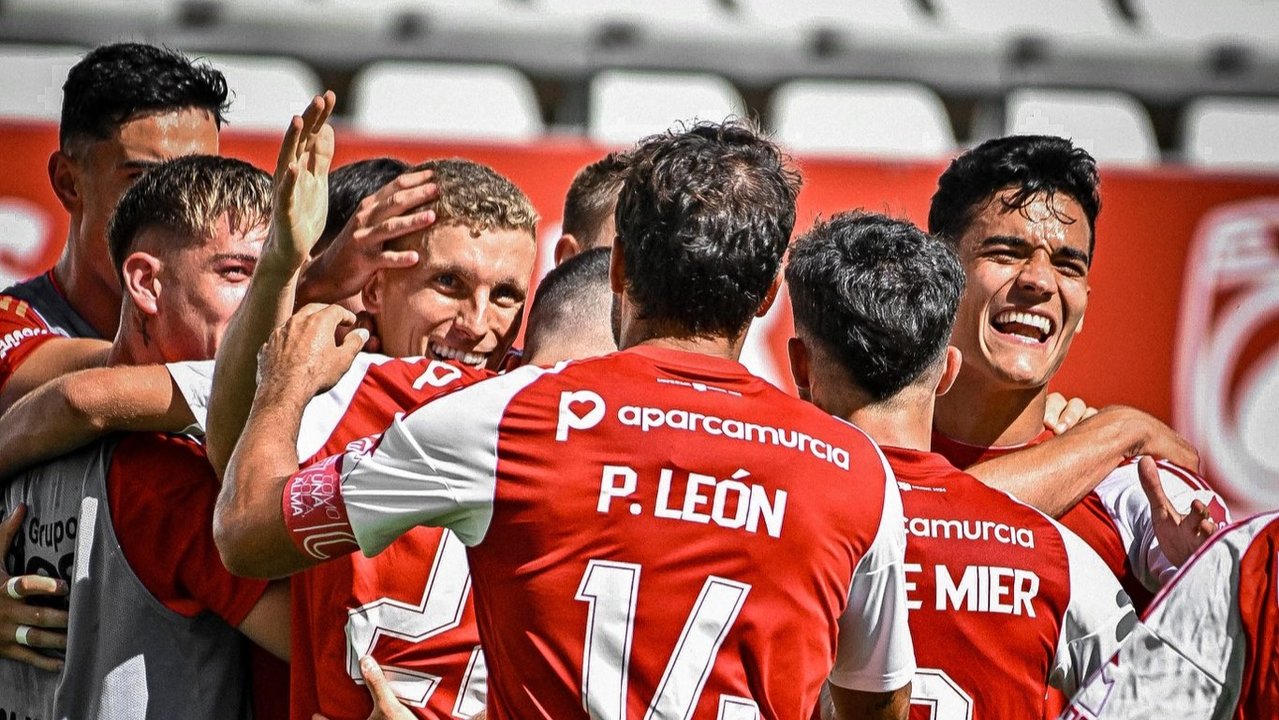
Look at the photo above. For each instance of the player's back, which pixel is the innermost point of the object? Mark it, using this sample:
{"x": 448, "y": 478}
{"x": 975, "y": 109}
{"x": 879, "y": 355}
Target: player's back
{"x": 409, "y": 606}
{"x": 1003, "y": 601}
{"x": 661, "y": 530}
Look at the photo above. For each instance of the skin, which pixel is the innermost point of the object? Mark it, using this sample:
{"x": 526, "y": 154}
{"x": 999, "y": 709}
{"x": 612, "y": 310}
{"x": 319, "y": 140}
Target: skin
{"x": 89, "y": 178}
{"x": 465, "y": 296}
{"x": 202, "y": 287}
{"x": 1031, "y": 260}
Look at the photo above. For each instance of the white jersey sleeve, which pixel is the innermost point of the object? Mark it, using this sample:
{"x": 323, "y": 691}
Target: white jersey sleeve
{"x": 1126, "y": 502}
{"x": 1186, "y": 657}
{"x": 194, "y": 380}
{"x": 1099, "y": 616}
{"x": 437, "y": 466}
{"x": 875, "y": 652}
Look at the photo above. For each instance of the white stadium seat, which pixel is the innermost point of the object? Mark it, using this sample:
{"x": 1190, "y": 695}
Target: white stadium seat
{"x": 1232, "y": 132}
{"x": 884, "y": 119}
{"x": 31, "y": 78}
{"x": 472, "y": 102}
{"x": 626, "y": 106}
{"x": 1217, "y": 21}
{"x": 1112, "y": 126}
{"x": 265, "y": 91}
{"x": 1048, "y": 17}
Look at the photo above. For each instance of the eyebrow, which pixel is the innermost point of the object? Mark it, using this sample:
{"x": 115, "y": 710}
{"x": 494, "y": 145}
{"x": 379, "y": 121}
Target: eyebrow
{"x": 1018, "y": 242}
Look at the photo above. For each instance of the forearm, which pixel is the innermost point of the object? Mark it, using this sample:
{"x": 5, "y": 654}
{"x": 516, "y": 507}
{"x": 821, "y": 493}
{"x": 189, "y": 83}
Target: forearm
{"x": 267, "y": 305}
{"x": 50, "y": 361}
{"x": 248, "y": 523}
{"x": 1056, "y": 474}
{"x": 76, "y": 409}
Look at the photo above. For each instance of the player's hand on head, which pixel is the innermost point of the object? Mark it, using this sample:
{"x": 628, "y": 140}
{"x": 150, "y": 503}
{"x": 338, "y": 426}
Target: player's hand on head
{"x": 302, "y": 183}
{"x": 1179, "y": 535}
{"x": 309, "y": 352}
{"x": 24, "y": 627}
{"x": 1061, "y": 414}
{"x": 364, "y": 246}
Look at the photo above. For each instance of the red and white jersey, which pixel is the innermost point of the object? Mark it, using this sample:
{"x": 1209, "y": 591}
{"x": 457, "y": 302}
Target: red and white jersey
{"x": 32, "y": 313}
{"x": 1115, "y": 517}
{"x": 410, "y": 606}
{"x": 652, "y": 529}
{"x": 1003, "y": 601}
{"x": 1207, "y": 648}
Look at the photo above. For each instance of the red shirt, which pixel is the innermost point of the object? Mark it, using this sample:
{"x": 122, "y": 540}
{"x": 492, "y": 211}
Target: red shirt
{"x": 22, "y": 330}
{"x": 981, "y": 565}
{"x": 162, "y": 492}
{"x": 650, "y": 529}
{"x": 410, "y": 607}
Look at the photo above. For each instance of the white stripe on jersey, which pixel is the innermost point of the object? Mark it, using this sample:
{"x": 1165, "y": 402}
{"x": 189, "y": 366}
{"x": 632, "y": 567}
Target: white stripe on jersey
{"x": 325, "y": 411}
{"x": 437, "y": 466}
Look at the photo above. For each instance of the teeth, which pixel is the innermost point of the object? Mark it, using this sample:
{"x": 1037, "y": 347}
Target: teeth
{"x": 468, "y": 358}
{"x": 1038, "y": 322}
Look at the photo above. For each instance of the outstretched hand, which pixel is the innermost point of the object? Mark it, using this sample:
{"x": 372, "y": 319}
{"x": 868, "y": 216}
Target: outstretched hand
{"x": 25, "y": 627}
{"x": 363, "y": 247}
{"x": 1179, "y": 535}
{"x": 302, "y": 182}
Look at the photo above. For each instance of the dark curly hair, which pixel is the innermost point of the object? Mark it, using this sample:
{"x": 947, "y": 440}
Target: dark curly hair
{"x": 1031, "y": 164}
{"x": 115, "y": 82}
{"x": 703, "y": 220}
{"x": 878, "y": 295}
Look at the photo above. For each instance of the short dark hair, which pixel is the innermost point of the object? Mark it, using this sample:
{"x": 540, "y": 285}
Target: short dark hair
{"x": 348, "y": 186}
{"x": 703, "y": 220}
{"x": 187, "y": 196}
{"x": 569, "y": 292}
{"x": 115, "y": 82}
{"x": 1032, "y": 164}
{"x": 592, "y": 198}
{"x": 878, "y": 294}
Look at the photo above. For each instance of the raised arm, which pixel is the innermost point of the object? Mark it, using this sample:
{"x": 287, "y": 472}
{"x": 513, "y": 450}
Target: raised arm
{"x": 1056, "y": 474}
{"x": 301, "y": 205}
{"x": 301, "y": 359}
{"x": 73, "y": 410}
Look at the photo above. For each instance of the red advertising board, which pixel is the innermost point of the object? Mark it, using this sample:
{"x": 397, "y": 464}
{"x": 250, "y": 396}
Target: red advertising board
{"x": 1183, "y": 319}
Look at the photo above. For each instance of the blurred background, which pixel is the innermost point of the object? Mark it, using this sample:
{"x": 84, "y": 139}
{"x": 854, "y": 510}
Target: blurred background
{"x": 1178, "y": 99}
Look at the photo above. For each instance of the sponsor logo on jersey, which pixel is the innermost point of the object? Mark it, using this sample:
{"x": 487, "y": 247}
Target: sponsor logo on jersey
{"x": 584, "y": 409}
{"x": 980, "y": 530}
{"x": 14, "y": 338}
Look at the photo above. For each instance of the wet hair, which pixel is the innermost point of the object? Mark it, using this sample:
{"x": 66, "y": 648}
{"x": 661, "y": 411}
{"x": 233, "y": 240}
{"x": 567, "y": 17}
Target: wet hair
{"x": 878, "y": 295}
{"x": 1029, "y": 164}
{"x": 348, "y": 186}
{"x": 187, "y": 196}
{"x": 592, "y": 199}
{"x": 703, "y": 220}
{"x": 113, "y": 83}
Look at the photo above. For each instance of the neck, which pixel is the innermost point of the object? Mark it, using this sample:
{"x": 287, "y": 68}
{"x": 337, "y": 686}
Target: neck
{"x": 903, "y": 421}
{"x": 134, "y": 344}
{"x": 980, "y": 415}
{"x": 95, "y": 300}
{"x": 641, "y": 332}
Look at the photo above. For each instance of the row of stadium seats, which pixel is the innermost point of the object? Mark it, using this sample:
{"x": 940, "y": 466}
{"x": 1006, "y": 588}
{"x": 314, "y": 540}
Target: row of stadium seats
{"x": 497, "y": 103}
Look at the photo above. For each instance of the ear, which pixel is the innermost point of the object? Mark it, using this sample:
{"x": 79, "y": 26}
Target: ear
{"x": 372, "y": 294}
{"x": 770, "y": 296}
{"x": 142, "y": 281}
{"x": 64, "y": 175}
{"x": 954, "y": 361}
{"x": 616, "y": 272}
{"x": 797, "y": 351}
{"x": 567, "y": 247}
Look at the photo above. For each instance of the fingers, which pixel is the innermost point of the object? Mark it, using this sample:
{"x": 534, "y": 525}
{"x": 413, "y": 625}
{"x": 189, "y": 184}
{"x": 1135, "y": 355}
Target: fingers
{"x": 404, "y": 193}
{"x": 385, "y": 704}
{"x": 31, "y": 657}
{"x": 1205, "y": 525}
{"x": 1053, "y": 406}
{"x": 25, "y": 586}
{"x": 33, "y": 637}
{"x": 289, "y": 147}
{"x": 1148, "y": 474}
{"x": 9, "y": 528}
{"x": 1076, "y": 409}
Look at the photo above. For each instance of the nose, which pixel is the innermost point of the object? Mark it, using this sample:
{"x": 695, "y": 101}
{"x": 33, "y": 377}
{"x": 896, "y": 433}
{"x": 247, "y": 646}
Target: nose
{"x": 471, "y": 315}
{"x": 1037, "y": 274}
